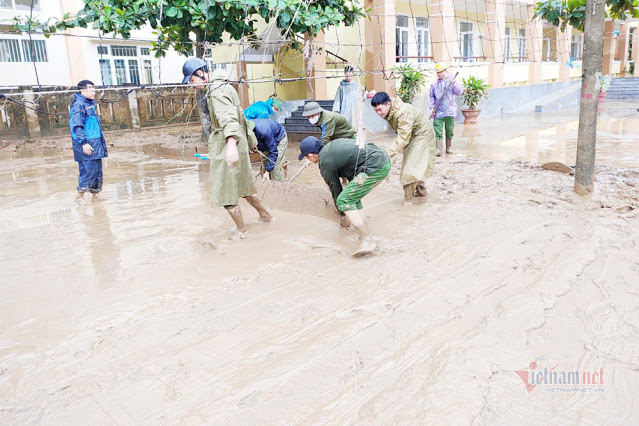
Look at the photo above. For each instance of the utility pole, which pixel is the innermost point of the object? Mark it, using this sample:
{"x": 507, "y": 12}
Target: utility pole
{"x": 587, "y": 136}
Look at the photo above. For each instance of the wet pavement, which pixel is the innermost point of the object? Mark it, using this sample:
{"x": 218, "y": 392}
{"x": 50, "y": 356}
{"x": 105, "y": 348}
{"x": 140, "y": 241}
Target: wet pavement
{"x": 552, "y": 136}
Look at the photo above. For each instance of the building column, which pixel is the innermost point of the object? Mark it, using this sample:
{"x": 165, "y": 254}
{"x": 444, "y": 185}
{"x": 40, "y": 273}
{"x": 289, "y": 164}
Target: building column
{"x": 242, "y": 88}
{"x": 380, "y": 45}
{"x": 75, "y": 46}
{"x": 315, "y": 67}
{"x": 33, "y": 121}
{"x": 443, "y": 33}
{"x": 608, "y": 53}
{"x": 534, "y": 45}
{"x": 623, "y": 41}
{"x": 134, "y": 110}
{"x": 635, "y": 50}
{"x": 564, "y": 39}
{"x": 495, "y": 41}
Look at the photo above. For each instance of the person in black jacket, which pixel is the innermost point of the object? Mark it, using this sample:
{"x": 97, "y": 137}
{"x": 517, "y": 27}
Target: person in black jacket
{"x": 272, "y": 142}
{"x": 89, "y": 146}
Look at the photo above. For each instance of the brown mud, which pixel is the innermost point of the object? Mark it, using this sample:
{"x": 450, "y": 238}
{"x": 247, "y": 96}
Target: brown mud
{"x": 138, "y": 309}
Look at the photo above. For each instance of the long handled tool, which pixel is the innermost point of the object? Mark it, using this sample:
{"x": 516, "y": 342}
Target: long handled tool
{"x": 442, "y": 98}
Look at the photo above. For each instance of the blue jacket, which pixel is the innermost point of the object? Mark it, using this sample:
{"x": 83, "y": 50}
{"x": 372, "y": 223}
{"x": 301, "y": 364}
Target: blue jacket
{"x": 269, "y": 133}
{"x": 85, "y": 128}
{"x": 259, "y": 109}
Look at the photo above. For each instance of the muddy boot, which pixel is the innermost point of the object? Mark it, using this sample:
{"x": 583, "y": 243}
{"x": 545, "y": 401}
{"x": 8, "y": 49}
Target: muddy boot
{"x": 409, "y": 192}
{"x": 257, "y": 205}
{"x": 366, "y": 243}
{"x": 449, "y": 143}
{"x": 440, "y": 144}
{"x": 236, "y": 215}
{"x": 420, "y": 189}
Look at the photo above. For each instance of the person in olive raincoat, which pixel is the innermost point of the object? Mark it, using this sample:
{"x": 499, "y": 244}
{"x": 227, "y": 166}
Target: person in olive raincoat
{"x": 415, "y": 138}
{"x": 229, "y": 144}
{"x": 89, "y": 146}
{"x": 332, "y": 124}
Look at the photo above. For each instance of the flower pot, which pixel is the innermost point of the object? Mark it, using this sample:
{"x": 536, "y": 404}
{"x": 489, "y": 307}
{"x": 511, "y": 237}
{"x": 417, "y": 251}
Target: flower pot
{"x": 470, "y": 115}
{"x": 602, "y": 97}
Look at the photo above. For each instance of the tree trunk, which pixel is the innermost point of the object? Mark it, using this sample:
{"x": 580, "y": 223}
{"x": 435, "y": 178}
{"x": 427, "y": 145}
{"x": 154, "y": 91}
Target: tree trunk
{"x": 200, "y": 95}
{"x": 587, "y": 136}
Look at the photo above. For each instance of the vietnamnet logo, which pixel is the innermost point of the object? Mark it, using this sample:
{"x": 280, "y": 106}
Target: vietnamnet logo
{"x": 556, "y": 380}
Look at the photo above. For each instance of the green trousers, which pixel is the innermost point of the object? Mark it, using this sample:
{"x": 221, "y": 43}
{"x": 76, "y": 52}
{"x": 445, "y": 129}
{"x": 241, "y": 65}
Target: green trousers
{"x": 440, "y": 123}
{"x": 278, "y": 171}
{"x": 351, "y": 197}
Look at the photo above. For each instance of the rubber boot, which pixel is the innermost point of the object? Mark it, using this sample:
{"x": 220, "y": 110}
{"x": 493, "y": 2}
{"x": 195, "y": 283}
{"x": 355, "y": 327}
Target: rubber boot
{"x": 409, "y": 192}
{"x": 420, "y": 189}
{"x": 449, "y": 143}
{"x": 438, "y": 151}
{"x": 366, "y": 243}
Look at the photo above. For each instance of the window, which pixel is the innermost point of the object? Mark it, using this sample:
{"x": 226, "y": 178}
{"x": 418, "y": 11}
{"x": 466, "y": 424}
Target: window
{"x": 521, "y": 41}
{"x": 466, "y": 40}
{"x": 507, "y": 52}
{"x": 10, "y": 50}
{"x": 134, "y": 71}
{"x": 575, "y": 47}
{"x": 422, "y": 28}
{"x": 401, "y": 38}
{"x": 23, "y": 50}
{"x": 20, "y": 4}
{"x": 125, "y": 65}
{"x": 35, "y": 51}
{"x": 148, "y": 71}
{"x": 124, "y": 51}
{"x": 120, "y": 71}
{"x": 105, "y": 71}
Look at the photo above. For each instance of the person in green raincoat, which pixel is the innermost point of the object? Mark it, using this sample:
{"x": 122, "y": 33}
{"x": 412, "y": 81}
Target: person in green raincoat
{"x": 333, "y": 125}
{"x": 415, "y": 138}
{"x": 229, "y": 144}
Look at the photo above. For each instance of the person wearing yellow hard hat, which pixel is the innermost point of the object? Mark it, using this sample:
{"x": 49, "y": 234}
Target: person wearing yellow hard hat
{"x": 443, "y": 105}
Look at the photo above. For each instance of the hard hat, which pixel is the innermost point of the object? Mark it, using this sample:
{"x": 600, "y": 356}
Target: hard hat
{"x": 190, "y": 66}
{"x": 441, "y": 66}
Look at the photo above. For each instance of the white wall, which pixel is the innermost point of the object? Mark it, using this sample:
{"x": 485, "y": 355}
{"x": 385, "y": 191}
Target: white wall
{"x": 55, "y": 71}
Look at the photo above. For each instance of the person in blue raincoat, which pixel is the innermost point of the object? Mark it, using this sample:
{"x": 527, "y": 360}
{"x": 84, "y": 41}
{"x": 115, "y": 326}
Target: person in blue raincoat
{"x": 273, "y": 143}
{"x": 89, "y": 146}
{"x": 263, "y": 109}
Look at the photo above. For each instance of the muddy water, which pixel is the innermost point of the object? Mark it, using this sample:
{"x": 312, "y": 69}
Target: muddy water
{"x": 541, "y": 138}
{"x": 137, "y": 309}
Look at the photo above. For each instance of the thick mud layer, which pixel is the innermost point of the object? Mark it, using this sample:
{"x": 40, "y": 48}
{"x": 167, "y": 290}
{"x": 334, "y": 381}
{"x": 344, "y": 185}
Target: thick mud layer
{"x": 139, "y": 309}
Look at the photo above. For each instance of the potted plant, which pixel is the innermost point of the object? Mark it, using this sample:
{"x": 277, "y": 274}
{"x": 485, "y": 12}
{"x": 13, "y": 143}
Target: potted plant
{"x": 475, "y": 89}
{"x": 411, "y": 81}
{"x": 604, "y": 83}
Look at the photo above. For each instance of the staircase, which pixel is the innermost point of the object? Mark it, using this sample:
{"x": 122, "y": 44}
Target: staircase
{"x": 623, "y": 88}
{"x": 298, "y": 127}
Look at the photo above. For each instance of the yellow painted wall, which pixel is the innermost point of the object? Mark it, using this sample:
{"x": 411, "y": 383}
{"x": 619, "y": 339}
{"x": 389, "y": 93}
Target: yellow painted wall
{"x": 516, "y": 73}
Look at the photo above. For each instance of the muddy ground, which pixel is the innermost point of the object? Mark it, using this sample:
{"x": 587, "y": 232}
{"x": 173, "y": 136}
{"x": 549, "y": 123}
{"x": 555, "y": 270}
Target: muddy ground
{"x": 137, "y": 309}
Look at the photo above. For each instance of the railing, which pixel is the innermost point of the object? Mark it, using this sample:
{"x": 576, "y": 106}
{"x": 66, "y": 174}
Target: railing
{"x": 429, "y": 58}
{"x": 470, "y": 58}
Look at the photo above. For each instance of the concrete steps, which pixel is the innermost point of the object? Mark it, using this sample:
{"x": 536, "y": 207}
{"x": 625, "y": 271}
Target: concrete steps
{"x": 623, "y": 88}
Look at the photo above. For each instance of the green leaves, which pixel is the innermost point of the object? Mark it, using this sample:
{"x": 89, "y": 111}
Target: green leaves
{"x": 475, "y": 89}
{"x": 573, "y": 12}
{"x": 208, "y": 20}
{"x": 411, "y": 81}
